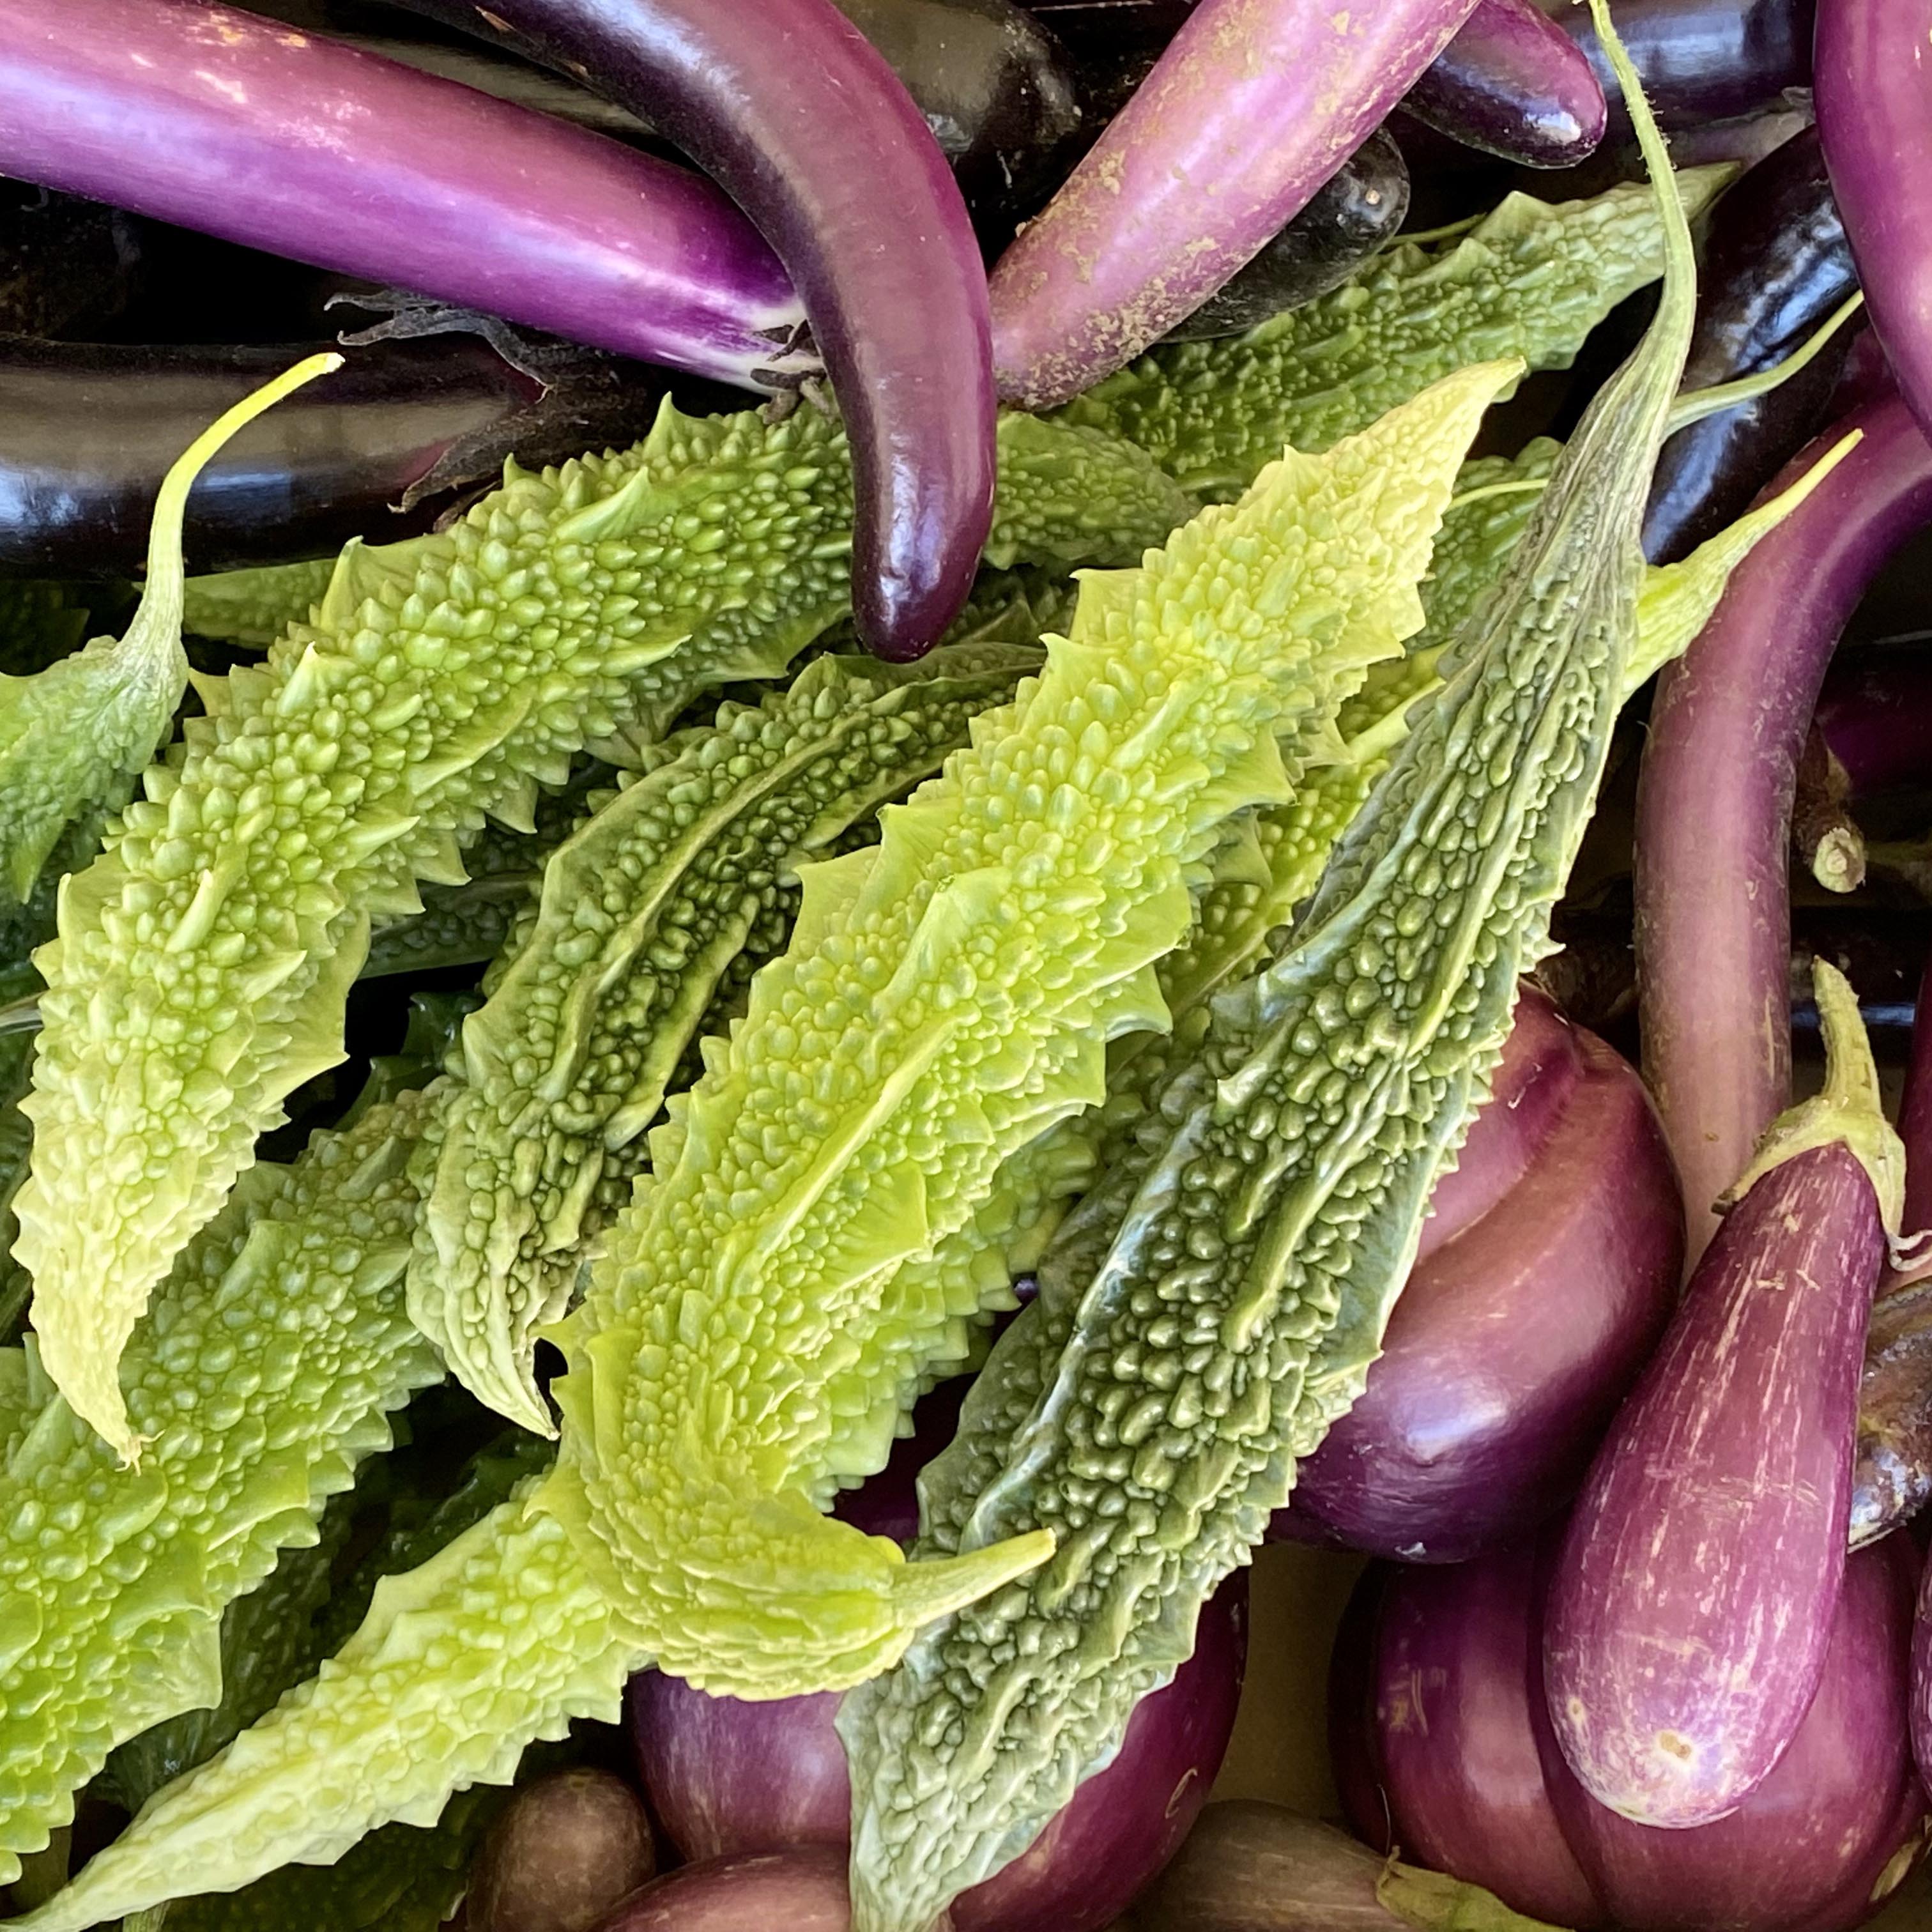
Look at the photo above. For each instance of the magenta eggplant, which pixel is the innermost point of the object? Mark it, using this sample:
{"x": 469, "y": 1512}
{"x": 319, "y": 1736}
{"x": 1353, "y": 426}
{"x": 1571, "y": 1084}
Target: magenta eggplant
{"x": 802, "y": 120}
{"x": 725, "y": 1777}
{"x": 1252, "y": 107}
{"x": 801, "y": 1891}
{"x": 1442, "y": 1746}
{"x": 202, "y": 115}
{"x": 1713, "y": 803}
{"x": 1517, "y": 1336}
{"x": 1691, "y": 1604}
{"x": 1874, "y": 102}
{"x": 1513, "y": 83}
{"x": 1875, "y": 715}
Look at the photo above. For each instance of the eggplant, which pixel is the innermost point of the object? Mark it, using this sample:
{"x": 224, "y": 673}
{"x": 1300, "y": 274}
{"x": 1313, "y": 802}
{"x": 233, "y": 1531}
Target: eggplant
{"x": 1776, "y": 267}
{"x": 800, "y": 118}
{"x": 1253, "y": 105}
{"x": 1699, "y": 61}
{"x": 1874, "y": 102}
{"x": 1891, "y": 1475}
{"x": 1714, "y": 802}
{"x": 1443, "y": 1746}
{"x": 568, "y": 1847}
{"x": 87, "y": 432}
{"x": 801, "y": 1891}
{"x": 1875, "y": 717}
{"x": 1356, "y": 213}
{"x": 1532, "y": 1307}
{"x": 1690, "y": 1608}
{"x": 1251, "y": 1867}
{"x": 727, "y": 1778}
{"x": 201, "y": 114}
{"x": 1513, "y": 84}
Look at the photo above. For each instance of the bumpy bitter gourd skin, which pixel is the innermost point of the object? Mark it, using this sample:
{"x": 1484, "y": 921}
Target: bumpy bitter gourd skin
{"x": 742, "y": 1346}
{"x": 203, "y": 960}
{"x": 642, "y": 909}
{"x": 1530, "y": 281}
{"x": 263, "y": 1376}
{"x": 1244, "y": 1295}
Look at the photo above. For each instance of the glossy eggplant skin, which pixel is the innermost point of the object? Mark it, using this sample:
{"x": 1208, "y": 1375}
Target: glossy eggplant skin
{"x": 1360, "y": 211}
{"x": 1699, "y": 60}
{"x": 88, "y": 431}
{"x": 1777, "y": 265}
{"x": 997, "y": 91}
{"x": 1513, "y": 84}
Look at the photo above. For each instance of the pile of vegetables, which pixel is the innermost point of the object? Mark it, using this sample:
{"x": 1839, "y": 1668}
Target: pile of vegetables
{"x": 882, "y": 887}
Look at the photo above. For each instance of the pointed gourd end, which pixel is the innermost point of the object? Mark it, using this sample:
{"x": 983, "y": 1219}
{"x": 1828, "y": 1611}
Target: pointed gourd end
{"x": 923, "y": 1592}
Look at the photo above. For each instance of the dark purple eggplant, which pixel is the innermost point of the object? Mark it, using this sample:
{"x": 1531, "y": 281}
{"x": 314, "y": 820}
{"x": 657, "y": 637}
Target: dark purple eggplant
{"x": 1516, "y": 1338}
{"x": 1699, "y": 61}
{"x": 206, "y": 116}
{"x": 1690, "y": 1607}
{"x": 1875, "y": 717}
{"x": 1714, "y": 803}
{"x": 1252, "y": 106}
{"x": 803, "y": 122}
{"x": 1356, "y": 213}
{"x": 1776, "y": 267}
{"x": 1874, "y": 96}
{"x": 1437, "y": 1720}
{"x": 1513, "y": 84}
{"x": 87, "y": 432}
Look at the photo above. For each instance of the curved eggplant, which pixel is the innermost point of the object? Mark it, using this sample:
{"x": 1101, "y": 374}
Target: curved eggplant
{"x": 1714, "y": 803}
{"x": 1444, "y": 1749}
{"x": 87, "y": 432}
{"x": 1517, "y": 1334}
{"x": 1776, "y": 266}
{"x": 1513, "y": 84}
{"x": 802, "y": 120}
{"x": 1358, "y": 212}
{"x": 1690, "y": 1608}
{"x": 1699, "y": 61}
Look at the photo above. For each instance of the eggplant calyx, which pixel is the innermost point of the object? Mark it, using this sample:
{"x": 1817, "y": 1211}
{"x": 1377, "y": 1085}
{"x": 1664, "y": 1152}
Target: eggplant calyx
{"x": 1849, "y": 1112}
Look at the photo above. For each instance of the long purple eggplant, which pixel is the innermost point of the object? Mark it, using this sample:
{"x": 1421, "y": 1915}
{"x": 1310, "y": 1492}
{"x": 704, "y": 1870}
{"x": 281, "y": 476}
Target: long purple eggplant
{"x": 207, "y": 116}
{"x": 1699, "y": 61}
{"x": 799, "y": 117}
{"x": 87, "y": 431}
{"x": 1777, "y": 265}
{"x": 1513, "y": 83}
{"x": 1691, "y": 1604}
{"x": 1515, "y": 1339}
{"x": 1252, "y": 107}
{"x": 1874, "y": 97}
{"x": 1441, "y": 1746}
{"x": 1713, "y": 803}
{"x": 1875, "y": 716}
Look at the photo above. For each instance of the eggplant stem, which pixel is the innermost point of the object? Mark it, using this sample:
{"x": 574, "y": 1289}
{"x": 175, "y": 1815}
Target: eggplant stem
{"x": 1849, "y": 1112}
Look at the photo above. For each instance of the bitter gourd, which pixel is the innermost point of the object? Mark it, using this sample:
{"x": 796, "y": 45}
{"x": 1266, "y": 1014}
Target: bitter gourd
{"x": 641, "y": 910}
{"x": 254, "y": 606}
{"x": 744, "y": 1344}
{"x": 203, "y": 960}
{"x": 1531, "y": 280}
{"x": 1171, "y": 692}
{"x": 1238, "y": 1308}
